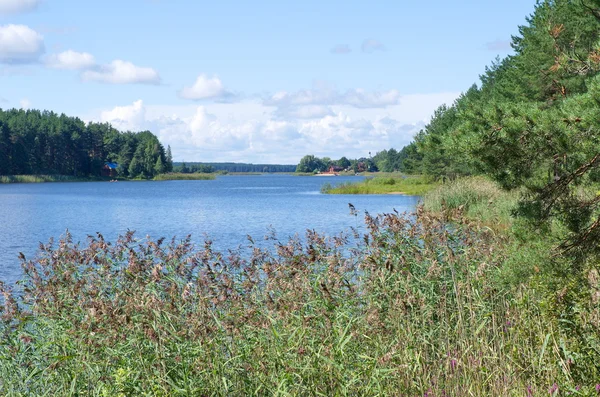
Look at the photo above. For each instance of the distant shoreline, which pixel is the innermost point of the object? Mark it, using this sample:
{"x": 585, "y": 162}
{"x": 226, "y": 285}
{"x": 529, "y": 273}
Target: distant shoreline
{"x": 8, "y": 179}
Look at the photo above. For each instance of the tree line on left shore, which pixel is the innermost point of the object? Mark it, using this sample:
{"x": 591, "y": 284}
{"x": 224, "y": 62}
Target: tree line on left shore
{"x": 44, "y": 142}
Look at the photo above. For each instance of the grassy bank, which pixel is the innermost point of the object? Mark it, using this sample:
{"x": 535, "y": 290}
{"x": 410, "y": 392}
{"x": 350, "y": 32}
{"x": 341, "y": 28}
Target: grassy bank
{"x": 46, "y": 178}
{"x": 66, "y": 178}
{"x": 388, "y": 184}
{"x": 184, "y": 177}
{"x": 420, "y": 305}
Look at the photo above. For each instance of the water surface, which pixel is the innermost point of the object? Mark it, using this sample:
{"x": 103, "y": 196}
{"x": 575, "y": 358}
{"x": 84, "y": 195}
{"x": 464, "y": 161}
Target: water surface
{"x": 226, "y": 210}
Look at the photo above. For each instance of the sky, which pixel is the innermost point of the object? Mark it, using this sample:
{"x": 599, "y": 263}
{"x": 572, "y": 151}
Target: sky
{"x": 252, "y": 81}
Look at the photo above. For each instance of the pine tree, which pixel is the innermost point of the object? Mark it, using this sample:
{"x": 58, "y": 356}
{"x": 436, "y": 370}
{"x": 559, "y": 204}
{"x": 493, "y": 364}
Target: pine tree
{"x": 169, "y": 160}
{"x": 159, "y": 167}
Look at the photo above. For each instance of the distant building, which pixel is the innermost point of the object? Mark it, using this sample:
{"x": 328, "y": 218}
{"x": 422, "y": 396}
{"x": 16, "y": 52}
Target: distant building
{"x": 109, "y": 169}
{"x": 334, "y": 169}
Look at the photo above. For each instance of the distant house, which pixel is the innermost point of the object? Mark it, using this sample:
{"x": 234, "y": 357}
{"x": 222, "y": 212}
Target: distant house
{"x": 334, "y": 169}
{"x": 109, "y": 169}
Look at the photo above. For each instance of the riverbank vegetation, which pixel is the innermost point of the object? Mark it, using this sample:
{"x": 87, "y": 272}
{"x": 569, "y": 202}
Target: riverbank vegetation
{"x": 46, "y": 178}
{"x": 175, "y": 176}
{"x": 384, "y": 184}
{"x": 431, "y": 303}
{"x": 39, "y": 143}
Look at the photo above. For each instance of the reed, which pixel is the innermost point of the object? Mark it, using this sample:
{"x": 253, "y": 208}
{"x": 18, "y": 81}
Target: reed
{"x": 42, "y": 178}
{"x": 409, "y": 307}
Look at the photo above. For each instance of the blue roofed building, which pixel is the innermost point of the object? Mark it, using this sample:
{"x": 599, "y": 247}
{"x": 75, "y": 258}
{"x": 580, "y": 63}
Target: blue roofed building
{"x": 109, "y": 169}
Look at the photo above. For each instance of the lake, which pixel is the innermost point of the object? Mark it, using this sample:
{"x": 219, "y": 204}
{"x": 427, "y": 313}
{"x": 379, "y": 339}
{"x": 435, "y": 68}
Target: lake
{"x": 226, "y": 210}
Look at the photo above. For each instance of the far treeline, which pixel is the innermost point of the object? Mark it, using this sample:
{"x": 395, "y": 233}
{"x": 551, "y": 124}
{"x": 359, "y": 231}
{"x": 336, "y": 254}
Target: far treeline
{"x": 194, "y": 167}
{"x": 385, "y": 161}
{"x": 45, "y": 143}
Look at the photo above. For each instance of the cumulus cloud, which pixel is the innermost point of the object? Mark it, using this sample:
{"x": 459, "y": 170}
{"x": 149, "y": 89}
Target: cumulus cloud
{"x": 328, "y": 96}
{"x": 251, "y": 132}
{"x": 8, "y": 7}
{"x": 71, "y": 60}
{"x": 20, "y": 45}
{"x": 364, "y": 99}
{"x": 372, "y": 45}
{"x": 499, "y": 45}
{"x": 122, "y": 72}
{"x": 341, "y": 49}
{"x": 126, "y": 118}
{"x": 303, "y": 112}
{"x": 25, "y": 103}
{"x": 205, "y": 88}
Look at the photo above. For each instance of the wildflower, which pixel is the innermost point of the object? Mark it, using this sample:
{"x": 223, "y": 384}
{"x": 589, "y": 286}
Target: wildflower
{"x": 453, "y": 364}
{"x": 553, "y": 389}
{"x": 529, "y": 391}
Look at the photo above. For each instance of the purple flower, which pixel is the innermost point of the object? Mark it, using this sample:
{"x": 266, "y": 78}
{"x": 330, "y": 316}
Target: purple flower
{"x": 553, "y": 389}
{"x": 453, "y": 364}
{"x": 598, "y": 388}
{"x": 529, "y": 391}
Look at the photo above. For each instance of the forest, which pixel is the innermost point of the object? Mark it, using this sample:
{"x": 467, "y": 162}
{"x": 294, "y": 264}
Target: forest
{"x": 532, "y": 124}
{"x": 45, "y": 143}
{"x": 190, "y": 167}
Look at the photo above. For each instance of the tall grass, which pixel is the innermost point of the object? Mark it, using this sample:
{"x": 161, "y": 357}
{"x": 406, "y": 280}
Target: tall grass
{"x": 409, "y": 308}
{"x": 409, "y": 185}
{"x": 42, "y": 178}
{"x": 174, "y": 176}
{"x": 477, "y": 197}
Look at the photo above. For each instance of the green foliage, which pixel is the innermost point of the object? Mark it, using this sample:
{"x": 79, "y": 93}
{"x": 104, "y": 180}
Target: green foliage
{"x": 43, "y": 178}
{"x": 394, "y": 184}
{"x": 310, "y": 163}
{"x": 533, "y": 124}
{"x": 174, "y": 176}
{"x": 184, "y": 168}
{"x": 238, "y": 167}
{"x": 394, "y": 161}
{"x": 35, "y": 142}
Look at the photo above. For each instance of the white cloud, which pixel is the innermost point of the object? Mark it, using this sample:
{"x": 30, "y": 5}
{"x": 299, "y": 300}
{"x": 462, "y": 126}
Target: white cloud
{"x": 122, "y": 72}
{"x": 16, "y": 6}
{"x": 71, "y": 60}
{"x": 25, "y": 103}
{"x": 304, "y": 112}
{"x": 341, "y": 49}
{"x": 327, "y": 96}
{"x": 126, "y": 118}
{"x": 363, "y": 99}
{"x": 205, "y": 88}
{"x": 372, "y": 45}
{"x": 19, "y": 44}
{"x": 253, "y": 132}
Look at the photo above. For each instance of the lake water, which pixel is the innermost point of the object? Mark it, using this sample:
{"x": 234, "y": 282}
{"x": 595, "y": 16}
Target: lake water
{"x": 226, "y": 210}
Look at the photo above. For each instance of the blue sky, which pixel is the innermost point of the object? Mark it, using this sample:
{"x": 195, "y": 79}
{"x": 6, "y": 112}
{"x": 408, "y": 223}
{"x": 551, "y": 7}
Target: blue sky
{"x": 261, "y": 81}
